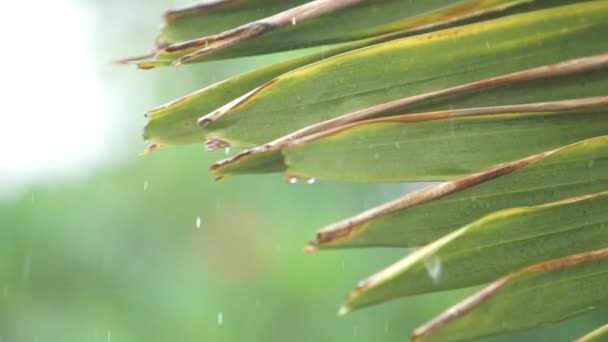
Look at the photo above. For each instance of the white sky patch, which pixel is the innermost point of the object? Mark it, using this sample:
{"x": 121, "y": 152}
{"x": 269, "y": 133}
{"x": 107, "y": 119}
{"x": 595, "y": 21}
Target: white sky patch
{"x": 56, "y": 120}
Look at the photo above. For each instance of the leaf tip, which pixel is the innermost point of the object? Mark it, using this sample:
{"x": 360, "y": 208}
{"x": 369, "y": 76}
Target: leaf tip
{"x": 310, "y": 248}
{"x": 151, "y": 148}
{"x": 212, "y": 145}
{"x": 137, "y": 59}
{"x": 417, "y": 337}
{"x": 204, "y": 121}
{"x": 344, "y": 310}
{"x": 178, "y": 62}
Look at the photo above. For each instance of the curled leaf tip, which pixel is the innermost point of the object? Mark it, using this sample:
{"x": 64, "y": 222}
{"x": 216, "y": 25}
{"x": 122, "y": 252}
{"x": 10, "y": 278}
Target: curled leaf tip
{"x": 151, "y": 148}
{"x": 310, "y": 248}
{"x": 204, "y": 121}
{"x": 215, "y": 144}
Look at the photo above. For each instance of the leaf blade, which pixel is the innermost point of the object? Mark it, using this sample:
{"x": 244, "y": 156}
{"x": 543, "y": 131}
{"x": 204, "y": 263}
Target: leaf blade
{"x": 186, "y": 38}
{"x": 503, "y": 300}
{"x": 426, "y": 215}
{"x": 491, "y": 246}
{"x": 375, "y": 75}
{"x": 571, "y": 79}
{"x": 439, "y": 149}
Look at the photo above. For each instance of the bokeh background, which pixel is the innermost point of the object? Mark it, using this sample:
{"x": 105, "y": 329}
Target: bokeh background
{"x": 100, "y": 244}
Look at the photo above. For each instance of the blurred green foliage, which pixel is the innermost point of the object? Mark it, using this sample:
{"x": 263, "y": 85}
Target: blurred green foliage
{"x": 117, "y": 256}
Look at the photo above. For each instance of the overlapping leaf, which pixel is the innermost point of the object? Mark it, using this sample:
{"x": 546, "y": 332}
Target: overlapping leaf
{"x": 196, "y": 33}
{"x": 543, "y": 293}
{"x": 585, "y": 76}
{"x": 490, "y": 247}
{"x": 175, "y": 123}
{"x": 424, "y": 216}
{"x": 438, "y": 149}
{"x": 380, "y": 73}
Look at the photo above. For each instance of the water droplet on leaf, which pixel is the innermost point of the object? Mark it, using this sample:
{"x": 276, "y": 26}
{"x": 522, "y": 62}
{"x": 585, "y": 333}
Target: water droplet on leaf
{"x": 433, "y": 267}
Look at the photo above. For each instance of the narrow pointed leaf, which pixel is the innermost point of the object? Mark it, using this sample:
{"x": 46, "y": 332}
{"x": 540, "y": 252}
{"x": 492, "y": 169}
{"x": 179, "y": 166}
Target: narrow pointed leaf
{"x": 598, "y": 335}
{"x": 318, "y": 22}
{"x": 576, "y": 78}
{"x": 490, "y": 247}
{"x": 378, "y": 74}
{"x": 424, "y": 216}
{"x": 455, "y": 144}
{"x": 545, "y": 293}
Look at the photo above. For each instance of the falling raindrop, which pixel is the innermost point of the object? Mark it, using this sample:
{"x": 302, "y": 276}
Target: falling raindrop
{"x": 198, "y": 222}
{"x": 433, "y": 267}
{"x": 145, "y": 185}
{"x": 293, "y": 21}
{"x": 311, "y": 181}
{"x": 220, "y": 318}
{"x": 227, "y": 151}
{"x": 109, "y": 335}
{"x": 355, "y": 332}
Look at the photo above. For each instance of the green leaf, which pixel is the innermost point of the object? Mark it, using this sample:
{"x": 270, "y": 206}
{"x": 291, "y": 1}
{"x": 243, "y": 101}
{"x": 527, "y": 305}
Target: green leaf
{"x": 424, "y": 216}
{"x": 175, "y": 123}
{"x": 311, "y": 24}
{"x": 544, "y": 293}
{"x": 598, "y": 335}
{"x": 380, "y": 73}
{"x": 492, "y": 246}
{"x": 441, "y": 145}
{"x": 576, "y": 78}
{"x": 208, "y": 18}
